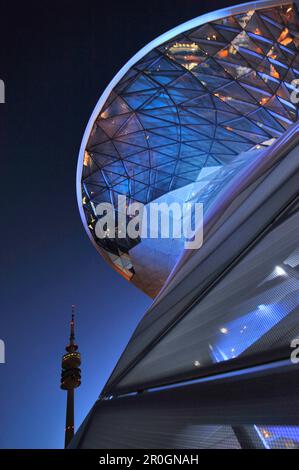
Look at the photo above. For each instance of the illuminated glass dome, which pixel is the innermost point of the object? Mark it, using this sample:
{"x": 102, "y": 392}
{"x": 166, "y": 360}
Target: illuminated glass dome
{"x": 182, "y": 117}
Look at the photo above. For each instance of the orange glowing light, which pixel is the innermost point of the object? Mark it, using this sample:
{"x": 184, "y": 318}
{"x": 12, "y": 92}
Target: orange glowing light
{"x": 273, "y": 72}
{"x": 257, "y": 31}
{"x": 284, "y": 37}
{"x": 229, "y": 128}
{"x": 271, "y": 53}
{"x": 284, "y": 33}
{"x": 286, "y": 41}
{"x": 223, "y": 53}
{"x": 86, "y": 159}
{"x": 264, "y": 101}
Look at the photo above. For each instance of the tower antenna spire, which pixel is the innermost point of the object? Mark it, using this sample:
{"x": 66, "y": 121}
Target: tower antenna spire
{"x": 72, "y": 334}
{"x": 70, "y": 378}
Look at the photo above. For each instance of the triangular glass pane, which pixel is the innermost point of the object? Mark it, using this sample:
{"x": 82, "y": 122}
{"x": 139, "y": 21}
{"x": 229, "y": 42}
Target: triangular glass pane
{"x": 125, "y": 149}
{"x": 211, "y": 47}
{"x": 160, "y": 100}
{"x": 155, "y": 140}
{"x": 244, "y": 18}
{"x": 275, "y": 26}
{"x": 204, "y": 130}
{"x": 243, "y": 41}
{"x": 187, "y": 82}
{"x": 133, "y": 169}
{"x": 263, "y": 118}
{"x": 147, "y": 60}
{"x": 140, "y": 83}
{"x": 164, "y": 77}
{"x": 170, "y": 150}
{"x": 101, "y": 159}
{"x": 245, "y": 124}
{"x": 193, "y": 149}
{"x": 141, "y": 158}
{"x": 258, "y": 27}
{"x": 150, "y": 122}
{"x": 206, "y": 32}
{"x": 234, "y": 90}
{"x": 124, "y": 82}
{"x": 97, "y": 136}
{"x": 253, "y": 79}
{"x": 211, "y": 67}
{"x": 206, "y": 113}
{"x": 118, "y": 106}
{"x": 112, "y": 125}
{"x": 158, "y": 159}
{"x": 228, "y": 21}
{"x": 136, "y": 100}
{"x": 227, "y": 32}
{"x": 171, "y": 132}
{"x": 212, "y": 82}
{"x": 204, "y": 101}
{"x": 106, "y": 148}
{"x": 131, "y": 125}
{"x": 179, "y": 95}
{"x": 137, "y": 138}
{"x": 218, "y": 148}
{"x": 227, "y": 134}
{"x": 290, "y": 108}
{"x": 170, "y": 114}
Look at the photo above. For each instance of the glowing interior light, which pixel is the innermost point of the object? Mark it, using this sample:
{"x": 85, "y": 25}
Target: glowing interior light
{"x": 197, "y": 363}
{"x": 273, "y": 72}
{"x": 264, "y": 101}
{"x": 224, "y": 330}
{"x": 191, "y": 65}
{"x": 223, "y": 53}
{"x": 86, "y": 159}
{"x": 279, "y": 271}
{"x": 284, "y": 37}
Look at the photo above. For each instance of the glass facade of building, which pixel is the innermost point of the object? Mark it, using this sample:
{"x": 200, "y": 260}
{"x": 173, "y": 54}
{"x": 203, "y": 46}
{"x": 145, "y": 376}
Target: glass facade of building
{"x": 210, "y": 97}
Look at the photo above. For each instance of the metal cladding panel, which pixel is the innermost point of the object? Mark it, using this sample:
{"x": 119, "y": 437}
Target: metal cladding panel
{"x": 268, "y": 189}
{"x": 225, "y": 413}
{"x": 252, "y": 310}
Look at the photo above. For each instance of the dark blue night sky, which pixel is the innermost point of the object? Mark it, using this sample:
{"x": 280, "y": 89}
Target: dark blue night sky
{"x": 56, "y": 59}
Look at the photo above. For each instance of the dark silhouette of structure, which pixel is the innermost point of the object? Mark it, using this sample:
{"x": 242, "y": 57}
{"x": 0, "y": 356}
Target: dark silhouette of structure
{"x": 70, "y": 379}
